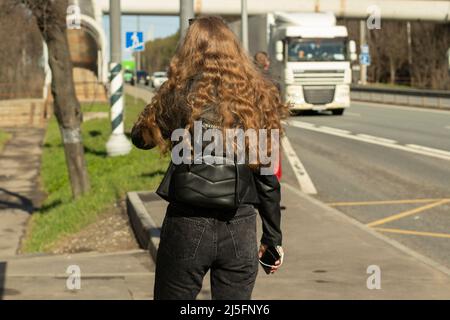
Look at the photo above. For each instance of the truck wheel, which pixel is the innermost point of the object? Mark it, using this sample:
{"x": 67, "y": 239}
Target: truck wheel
{"x": 337, "y": 112}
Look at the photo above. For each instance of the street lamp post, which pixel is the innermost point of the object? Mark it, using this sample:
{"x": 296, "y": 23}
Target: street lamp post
{"x": 244, "y": 24}
{"x": 186, "y": 13}
{"x": 118, "y": 143}
{"x": 362, "y": 40}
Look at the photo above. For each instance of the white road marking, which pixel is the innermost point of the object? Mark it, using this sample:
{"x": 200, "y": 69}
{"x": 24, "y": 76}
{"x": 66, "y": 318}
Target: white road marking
{"x": 300, "y": 124}
{"x": 353, "y": 114}
{"x": 302, "y": 176}
{"x": 335, "y": 130}
{"x": 307, "y": 124}
{"x": 435, "y": 153}
{"x": 376, "y": 138}
{"x": 428, "y": 149}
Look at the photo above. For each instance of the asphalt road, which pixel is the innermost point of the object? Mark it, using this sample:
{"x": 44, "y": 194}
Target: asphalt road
{"x": 385, "y": 166}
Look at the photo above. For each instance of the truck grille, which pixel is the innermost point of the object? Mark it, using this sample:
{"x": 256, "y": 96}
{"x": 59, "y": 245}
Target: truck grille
{"x": 318, "y": 76}
{"x": 318, "y": 94}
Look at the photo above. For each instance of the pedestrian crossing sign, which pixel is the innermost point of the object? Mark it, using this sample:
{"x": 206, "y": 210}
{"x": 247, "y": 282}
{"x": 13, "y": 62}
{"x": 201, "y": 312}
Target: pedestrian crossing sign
{"x": 134, "y": 41}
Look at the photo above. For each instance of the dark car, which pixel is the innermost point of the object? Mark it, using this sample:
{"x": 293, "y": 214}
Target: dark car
{"x": 142, "y": 75}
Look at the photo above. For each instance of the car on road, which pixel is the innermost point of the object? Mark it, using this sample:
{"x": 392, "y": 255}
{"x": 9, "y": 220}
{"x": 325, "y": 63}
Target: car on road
{"x": 128, "y": 76}
{"x": 158, "y": 78}
{"x": 142, "y": 75}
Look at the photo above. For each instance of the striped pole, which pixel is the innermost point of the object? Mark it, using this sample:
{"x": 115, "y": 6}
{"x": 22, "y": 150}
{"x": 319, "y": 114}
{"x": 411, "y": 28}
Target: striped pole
{"x": 116, "y": 98}
{"x": 118, "y": 143}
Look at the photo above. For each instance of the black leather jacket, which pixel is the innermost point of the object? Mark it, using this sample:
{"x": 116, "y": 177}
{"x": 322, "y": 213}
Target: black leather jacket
{"x": 263, "y": 192}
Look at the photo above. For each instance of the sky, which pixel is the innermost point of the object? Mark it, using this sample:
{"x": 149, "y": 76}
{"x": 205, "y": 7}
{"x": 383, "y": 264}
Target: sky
{"x": 152, "y": 26}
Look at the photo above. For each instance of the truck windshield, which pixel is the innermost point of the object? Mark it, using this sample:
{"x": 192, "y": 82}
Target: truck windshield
{"x": 317, "y": 49}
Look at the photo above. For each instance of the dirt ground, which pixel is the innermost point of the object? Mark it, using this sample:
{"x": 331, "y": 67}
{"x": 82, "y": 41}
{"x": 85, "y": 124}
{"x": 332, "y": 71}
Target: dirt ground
{"x": 111, "y": 232}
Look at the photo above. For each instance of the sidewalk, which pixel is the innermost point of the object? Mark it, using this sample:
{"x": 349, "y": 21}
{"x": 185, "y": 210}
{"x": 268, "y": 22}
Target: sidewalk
{"x": 19, "y": 186}
{"x": 139, "y": 93}
{"x": 120, "y": 275}
{"x": 327, "y": 256}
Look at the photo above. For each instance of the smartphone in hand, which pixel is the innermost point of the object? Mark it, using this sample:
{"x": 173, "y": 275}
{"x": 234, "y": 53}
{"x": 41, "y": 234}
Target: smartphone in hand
{"x": 269, "y": 257}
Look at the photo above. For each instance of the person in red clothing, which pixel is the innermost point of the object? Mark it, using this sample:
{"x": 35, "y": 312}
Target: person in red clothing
{"x": 262, "y": 61}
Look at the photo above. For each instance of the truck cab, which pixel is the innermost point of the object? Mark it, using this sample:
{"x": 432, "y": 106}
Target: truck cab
{"x": 311, "y": 60}
{"x": 310, "y": 57}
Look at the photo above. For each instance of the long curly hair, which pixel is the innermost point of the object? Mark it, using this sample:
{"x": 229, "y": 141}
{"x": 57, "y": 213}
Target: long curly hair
{"x": 211, "y": 68}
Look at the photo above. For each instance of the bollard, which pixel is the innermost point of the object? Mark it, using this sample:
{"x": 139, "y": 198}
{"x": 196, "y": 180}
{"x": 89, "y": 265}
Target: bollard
{"x": 118, "y": 143}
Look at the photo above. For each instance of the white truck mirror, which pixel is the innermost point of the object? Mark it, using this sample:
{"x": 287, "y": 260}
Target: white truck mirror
{"x": 352, "y": 50}
{"x": 279, "y": 50}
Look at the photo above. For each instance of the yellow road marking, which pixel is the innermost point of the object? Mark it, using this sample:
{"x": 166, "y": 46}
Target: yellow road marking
{"x": 416, "y": 233}
{"x": 407, "y": 213}
{"x": 370, "y": 203}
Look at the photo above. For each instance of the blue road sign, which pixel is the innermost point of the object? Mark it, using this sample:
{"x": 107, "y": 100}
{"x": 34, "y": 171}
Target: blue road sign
{"x": 134, "y": 41}
{"x": 364, "y": 59}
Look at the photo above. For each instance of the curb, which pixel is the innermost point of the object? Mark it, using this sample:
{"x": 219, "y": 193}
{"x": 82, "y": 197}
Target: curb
{"x": 145, "y": 229}
{"x": 392, "y": 242}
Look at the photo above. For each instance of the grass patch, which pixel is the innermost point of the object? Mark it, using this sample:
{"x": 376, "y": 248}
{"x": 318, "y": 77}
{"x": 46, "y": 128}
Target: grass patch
{"x": 4, "y": 137}
{"x": 110, "y": 177}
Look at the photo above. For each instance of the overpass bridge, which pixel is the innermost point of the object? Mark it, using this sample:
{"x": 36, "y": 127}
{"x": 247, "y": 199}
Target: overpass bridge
{"x": 390, "y": 9}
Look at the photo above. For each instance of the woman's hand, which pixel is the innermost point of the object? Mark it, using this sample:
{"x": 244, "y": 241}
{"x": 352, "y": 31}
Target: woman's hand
{"x": 278, "y": 263}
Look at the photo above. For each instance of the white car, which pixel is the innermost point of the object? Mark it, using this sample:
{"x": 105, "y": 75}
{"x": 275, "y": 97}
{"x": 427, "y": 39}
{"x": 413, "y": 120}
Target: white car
{"x": 158, "y": 78}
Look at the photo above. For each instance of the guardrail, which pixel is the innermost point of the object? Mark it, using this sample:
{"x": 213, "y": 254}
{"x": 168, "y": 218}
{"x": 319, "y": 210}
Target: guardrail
{"x": 408, "y": 97}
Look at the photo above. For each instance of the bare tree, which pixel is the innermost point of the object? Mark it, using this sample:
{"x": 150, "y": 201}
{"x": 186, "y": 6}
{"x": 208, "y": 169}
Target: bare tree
{"x": 430, "y": 43}
{"x": 21, "y": 70}
{"x": 50, "y": 16}
{"x": 423, "y": 62}
{"x": 377, "y": 69}
{"x": 395, "y": 46}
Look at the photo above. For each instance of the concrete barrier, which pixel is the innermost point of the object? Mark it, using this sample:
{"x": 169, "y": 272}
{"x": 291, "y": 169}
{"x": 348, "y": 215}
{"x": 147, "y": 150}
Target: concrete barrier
{"x": 407, "y": 97}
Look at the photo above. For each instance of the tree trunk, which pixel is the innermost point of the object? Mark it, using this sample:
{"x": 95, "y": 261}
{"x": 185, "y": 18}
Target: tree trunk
{"x": 52, "y": 23}
{"x": 392, "y": 70}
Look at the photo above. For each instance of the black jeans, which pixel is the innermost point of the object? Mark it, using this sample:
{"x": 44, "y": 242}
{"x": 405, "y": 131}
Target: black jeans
{"x": 194, "y": 241}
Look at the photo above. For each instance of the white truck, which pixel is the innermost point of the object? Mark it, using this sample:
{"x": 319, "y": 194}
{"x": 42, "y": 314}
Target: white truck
{"x": 310, "y": 57}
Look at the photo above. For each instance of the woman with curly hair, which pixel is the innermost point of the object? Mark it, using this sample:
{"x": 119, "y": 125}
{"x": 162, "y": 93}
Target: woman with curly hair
{"x": 208, "y": 227}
